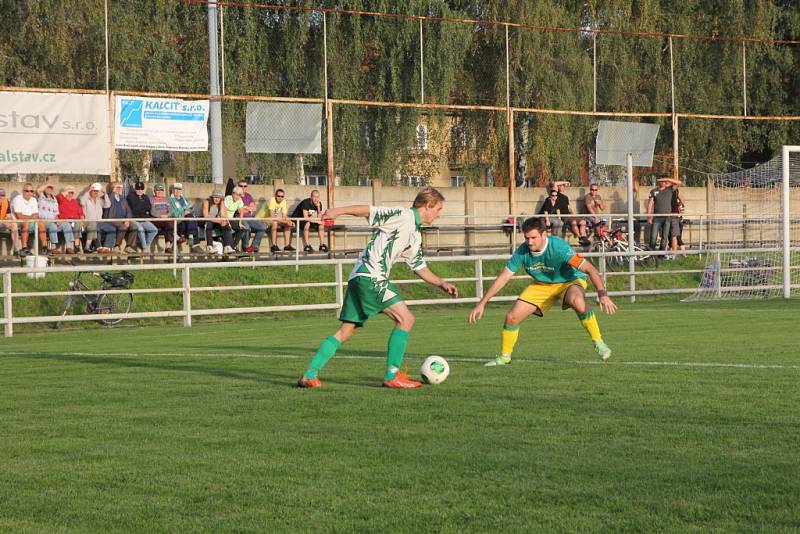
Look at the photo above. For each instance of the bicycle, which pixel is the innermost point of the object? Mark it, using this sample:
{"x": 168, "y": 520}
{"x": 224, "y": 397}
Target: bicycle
{"x": 102, "y": 302}
{"x": 614, "y": 245}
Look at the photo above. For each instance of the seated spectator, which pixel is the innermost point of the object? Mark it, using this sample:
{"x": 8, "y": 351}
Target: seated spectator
{"x": 161, "y": 208}
{"x": 216, "y": 215}
{"x": 593, "y": 205}
{"x": 48, "y": 212}
{"x": 234, "y": 206}
{"x": 182, "y": 207}
{"x": 249, "y": 224}
{"x": 277, "y": 209}
{"x": 310, "y": 208}
{"x": 577, "y": 226}
{"x": 100, "y": 235}
{"x": 7, "y": 221}
{"x": 71, "y": 213}
{"x": 117, "y": 208}
{"x": 140, "y": 208}
{"x": 25, "y": 207}
{"x": 551, "y": 206}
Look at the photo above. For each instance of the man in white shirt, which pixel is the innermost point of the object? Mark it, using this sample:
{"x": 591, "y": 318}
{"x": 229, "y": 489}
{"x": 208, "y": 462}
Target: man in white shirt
{"x": 25, "y": 207}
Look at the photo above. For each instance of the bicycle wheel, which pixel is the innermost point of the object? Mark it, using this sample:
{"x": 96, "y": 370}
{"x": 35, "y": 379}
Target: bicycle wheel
{"x": 108, "y": 303}
{"x": 65, "y": 309}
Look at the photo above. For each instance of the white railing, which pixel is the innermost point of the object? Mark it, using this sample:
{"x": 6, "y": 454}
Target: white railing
{"x": 339, "y": 281}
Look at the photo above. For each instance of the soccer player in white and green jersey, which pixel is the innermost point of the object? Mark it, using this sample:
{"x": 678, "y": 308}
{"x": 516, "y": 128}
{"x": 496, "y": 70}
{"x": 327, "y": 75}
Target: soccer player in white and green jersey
{"x": 558, "y": 273}
{"x": 369, "y": 292}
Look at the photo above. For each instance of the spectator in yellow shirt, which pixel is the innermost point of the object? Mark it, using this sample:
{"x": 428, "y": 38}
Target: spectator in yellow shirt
{"x": 278, "y": 210}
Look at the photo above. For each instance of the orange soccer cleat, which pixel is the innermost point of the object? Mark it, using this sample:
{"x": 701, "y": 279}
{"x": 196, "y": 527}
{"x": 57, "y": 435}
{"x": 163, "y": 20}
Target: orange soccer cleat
{"x": 304, "y": 382}
{"x": 401, "y": 382}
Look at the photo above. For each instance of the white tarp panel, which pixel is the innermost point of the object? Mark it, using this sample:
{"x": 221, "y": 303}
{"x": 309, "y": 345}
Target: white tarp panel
{"x": 615, "y": 140}
{"x": 54, "y": 133}
{"x": 283, "y": 128}
{"x": 161, "y": 124}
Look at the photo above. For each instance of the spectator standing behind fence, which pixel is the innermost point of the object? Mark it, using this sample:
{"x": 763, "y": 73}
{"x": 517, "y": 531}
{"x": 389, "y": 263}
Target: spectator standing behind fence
{"x": 551, "y": 206}
{"x": 141, "y": 209}
{"x": 310, "y": 208}
{"x": 659, "y": 207}
{"x": 593, "y": 205}
{"x": 277, "y": 209}
{"x": 7, "y": 222}
{"x": 216, "y": 215}
{"x": 676, "y": 227}
{"x": 234, "y": 205}
{"x": 100, "y": 236}
{"x": 48, "y": 212}
{"x": 161, "y": 208}
{"x": 25, "y": 207}
{"x": 71, "y": 213}
{"x": 249, "y": 224}
{"x": 117, "y": 207}
{"x": 182, "y": 207}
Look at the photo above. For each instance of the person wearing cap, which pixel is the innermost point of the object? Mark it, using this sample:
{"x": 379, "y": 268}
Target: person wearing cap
{"x": 48, "y": 213}
{"x": 249, "y": 223}
{"x": 25, "y": 207}
{"x": 234, "y": 203}
{"x": 161, "y": 208}
{"x": 7, "y": 221}
{"x": 117, "y": 208}
{"x": 141, "y": 208}
{"x": 216, "y": 215}
{"x": 182, "y": 207}
{"x": 100, "y": 235}
{"x": 71, "y": 213}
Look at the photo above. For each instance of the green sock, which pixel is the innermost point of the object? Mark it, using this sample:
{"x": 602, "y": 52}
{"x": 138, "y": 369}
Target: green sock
{"x": 324, "y": 353}
{"x": 398, "y": 340}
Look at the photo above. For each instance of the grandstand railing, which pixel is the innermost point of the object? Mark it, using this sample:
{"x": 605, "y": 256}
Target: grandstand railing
{"x": 339, "y": 282}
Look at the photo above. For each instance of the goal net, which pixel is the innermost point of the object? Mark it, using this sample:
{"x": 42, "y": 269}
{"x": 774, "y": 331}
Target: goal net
{"x": 745, "y": 237}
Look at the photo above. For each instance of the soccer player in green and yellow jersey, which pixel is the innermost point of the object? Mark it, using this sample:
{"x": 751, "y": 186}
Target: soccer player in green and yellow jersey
{"x": 558, "y": 273}
{"x": 396, "y": 235}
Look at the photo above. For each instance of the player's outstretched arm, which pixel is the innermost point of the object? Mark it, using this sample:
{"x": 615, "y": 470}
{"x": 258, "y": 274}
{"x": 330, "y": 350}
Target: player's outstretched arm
{"x": 355, "y": 211}
{"x": 435, "y": 280}
{"x": 498, "y": 284}
{"x": 606, "y": 304}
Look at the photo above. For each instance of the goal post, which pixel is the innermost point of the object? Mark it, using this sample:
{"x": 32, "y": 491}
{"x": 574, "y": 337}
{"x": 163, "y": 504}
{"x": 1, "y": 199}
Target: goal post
{"x": 787, "y": 218}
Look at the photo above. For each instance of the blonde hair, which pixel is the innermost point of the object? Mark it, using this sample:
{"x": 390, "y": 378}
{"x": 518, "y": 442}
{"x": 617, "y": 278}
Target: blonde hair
{"x": 428, "y": 197}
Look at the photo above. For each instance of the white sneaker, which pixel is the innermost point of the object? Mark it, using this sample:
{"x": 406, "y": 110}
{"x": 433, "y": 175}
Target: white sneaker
{"x": 228, "y": 250}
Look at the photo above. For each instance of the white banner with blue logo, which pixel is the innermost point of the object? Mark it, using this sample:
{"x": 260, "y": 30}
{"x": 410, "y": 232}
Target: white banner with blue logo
{"x": 161, "y": 124}
{"x": 54, "y": 133}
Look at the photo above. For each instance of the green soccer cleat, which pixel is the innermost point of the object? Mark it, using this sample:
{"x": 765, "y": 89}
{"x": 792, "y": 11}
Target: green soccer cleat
{"x": 602, "y": 350}
{"x": 499, "y": 360}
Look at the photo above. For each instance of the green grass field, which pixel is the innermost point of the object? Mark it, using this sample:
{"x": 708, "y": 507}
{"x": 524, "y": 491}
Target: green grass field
{"x": 692, "y": 425}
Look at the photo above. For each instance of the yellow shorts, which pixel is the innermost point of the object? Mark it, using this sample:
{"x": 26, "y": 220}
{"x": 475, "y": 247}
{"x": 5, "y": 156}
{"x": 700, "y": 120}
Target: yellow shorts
{"x": 543, "y": 296}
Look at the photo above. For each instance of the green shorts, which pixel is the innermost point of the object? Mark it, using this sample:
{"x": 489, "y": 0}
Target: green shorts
{"x": 365, "y": 298}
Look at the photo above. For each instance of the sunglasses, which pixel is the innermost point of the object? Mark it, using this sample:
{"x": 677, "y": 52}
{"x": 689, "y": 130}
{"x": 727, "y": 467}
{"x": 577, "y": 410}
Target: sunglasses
{"x": 278, "y": 196}
{"x": 242, "y": 185}
{"x": 592, "y": 189}
{"x": 27, "y": 190}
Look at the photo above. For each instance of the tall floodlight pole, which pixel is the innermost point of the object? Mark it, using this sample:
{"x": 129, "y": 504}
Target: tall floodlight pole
{"x": 631, "y": 232}
{"x": 215, "y": 110}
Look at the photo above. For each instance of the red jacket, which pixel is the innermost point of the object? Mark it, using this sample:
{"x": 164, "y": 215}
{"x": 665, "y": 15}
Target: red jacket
{"x": 69, "y": 209}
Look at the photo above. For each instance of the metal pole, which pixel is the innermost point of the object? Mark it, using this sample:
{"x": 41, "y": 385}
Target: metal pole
{"x": 7, "y": 304}
{"x": 744, "y": 76}
{"x": 325, "y": 54}
{"x": 479, "y": 278}
{"x": 297, "y": 248}
{"x": 110, "y": 111}
{"x": 631, "y": 234}
{"x": 675, "y": 147}
{"x": 594, "y": 70}
{"x": 512, "y": 179}
{"x": 174, "y": 247}
{"x": 671, "y": 75}
{"x": 339, "y": 291}
{"x": 421, "y": 65}
{"x": 787, "y": 258}
{"x": 215, "y": 109}
{"x": 187, "y": 297}
{"x": 222, "y": 47}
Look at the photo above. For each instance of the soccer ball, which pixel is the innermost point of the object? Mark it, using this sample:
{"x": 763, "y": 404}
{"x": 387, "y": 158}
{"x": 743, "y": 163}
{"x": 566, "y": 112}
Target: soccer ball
{"x": 434, "y": 370}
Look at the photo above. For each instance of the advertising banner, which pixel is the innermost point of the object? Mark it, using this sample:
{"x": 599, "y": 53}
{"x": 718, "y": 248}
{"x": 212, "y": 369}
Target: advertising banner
{"x": 283, "y": 128}
{"x": 54, "y": 133}
{"x": 161, "y": 124}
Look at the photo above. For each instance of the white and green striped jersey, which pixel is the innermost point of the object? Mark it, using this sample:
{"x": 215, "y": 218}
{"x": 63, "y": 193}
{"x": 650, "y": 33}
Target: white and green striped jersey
{"x": 395, "y": 235}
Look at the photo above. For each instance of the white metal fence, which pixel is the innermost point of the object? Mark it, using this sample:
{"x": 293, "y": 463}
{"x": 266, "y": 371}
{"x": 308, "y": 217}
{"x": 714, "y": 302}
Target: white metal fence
{"x": 339, "y": 280}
